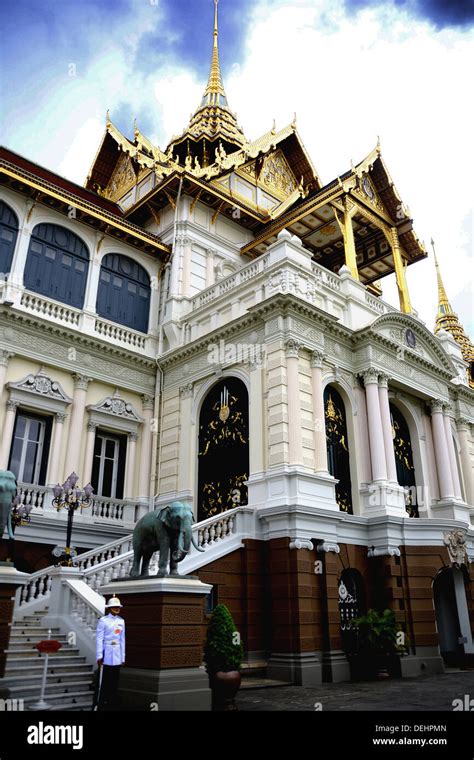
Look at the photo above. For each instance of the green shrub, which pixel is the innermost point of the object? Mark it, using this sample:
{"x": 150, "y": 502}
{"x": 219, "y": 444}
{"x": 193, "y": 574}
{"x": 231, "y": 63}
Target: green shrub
{"x": 223, "y": 650}
{"x": 377, "y": 633}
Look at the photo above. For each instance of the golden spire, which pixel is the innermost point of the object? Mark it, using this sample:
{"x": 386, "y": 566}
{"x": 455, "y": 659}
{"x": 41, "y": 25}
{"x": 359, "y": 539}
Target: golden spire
{"x": 213, "y": 119}
{"x": 447, "y": 319}
{"x": 444, "y": 307}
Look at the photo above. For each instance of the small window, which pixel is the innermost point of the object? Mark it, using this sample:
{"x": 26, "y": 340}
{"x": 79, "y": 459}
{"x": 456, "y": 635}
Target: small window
{"x": 67, "y": 261}
{"x": 30, "y": 448}
{"x": 50, "y": 254}
{"x": 7, "y": 234}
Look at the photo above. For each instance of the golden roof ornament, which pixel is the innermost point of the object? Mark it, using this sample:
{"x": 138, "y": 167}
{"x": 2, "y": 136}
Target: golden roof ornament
{"x": 447, "y": 319}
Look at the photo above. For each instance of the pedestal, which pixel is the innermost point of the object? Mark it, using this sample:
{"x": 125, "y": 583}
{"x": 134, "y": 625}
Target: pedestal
{"x": 10, "y": 580}
{"x": 164, "y": 626}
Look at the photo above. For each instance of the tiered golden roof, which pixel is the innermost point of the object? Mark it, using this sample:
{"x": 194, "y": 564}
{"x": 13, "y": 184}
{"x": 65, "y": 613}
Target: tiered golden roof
{"x": 447, "y": 319}
{"x": 213, "y": 120}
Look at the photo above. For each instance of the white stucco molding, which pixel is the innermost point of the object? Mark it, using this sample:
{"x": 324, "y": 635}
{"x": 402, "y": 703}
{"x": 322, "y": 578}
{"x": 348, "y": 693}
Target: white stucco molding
{"x": 115, "y": 413}
{"x": 39, "y": 391}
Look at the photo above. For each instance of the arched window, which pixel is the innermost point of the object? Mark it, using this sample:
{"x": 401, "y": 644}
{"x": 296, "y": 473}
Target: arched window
{"x": 404, "y": 459}
{"x": 124, "y": 292}
{"x": 338, "y": 447}
{"x": 223, "y": 448}
{"x": 57, "y": 264}
{"x": 8, "y": 236}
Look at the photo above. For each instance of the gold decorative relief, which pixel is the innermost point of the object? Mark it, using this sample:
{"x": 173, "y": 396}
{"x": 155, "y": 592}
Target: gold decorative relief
{"x": 272, "y": 174}
{"x": 122, "y": 179}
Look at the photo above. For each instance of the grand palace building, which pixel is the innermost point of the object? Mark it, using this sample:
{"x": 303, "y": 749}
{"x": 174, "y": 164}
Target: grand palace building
{"x": 205, "y": 323}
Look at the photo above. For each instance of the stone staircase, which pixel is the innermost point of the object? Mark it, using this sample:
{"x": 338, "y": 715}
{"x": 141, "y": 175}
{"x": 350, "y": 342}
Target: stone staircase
{"x": 69, "y": 683}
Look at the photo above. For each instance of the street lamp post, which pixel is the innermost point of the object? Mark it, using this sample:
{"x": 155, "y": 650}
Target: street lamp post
{"x": 68, "y": 496}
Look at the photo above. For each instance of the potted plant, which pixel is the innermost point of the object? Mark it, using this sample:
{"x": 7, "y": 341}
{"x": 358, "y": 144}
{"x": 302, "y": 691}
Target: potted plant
{"x": 378, "y": 648}
{"x": 223, "y": 655}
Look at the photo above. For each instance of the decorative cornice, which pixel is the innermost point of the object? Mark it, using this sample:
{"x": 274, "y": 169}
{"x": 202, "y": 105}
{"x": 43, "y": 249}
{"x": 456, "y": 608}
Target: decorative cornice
{"x": 383, "y": 551}
{"x": 301, "y": 543}
{"x": 148, "y": 402}
{"x": 317, "y": 358}
{"x": 40, "y": 385}
{"x": 370, "y": 376}
{"x": 326, "y": 546}
{"x": 81, "y": 382}
{"x": 116, "y": 407}
{"x": 293, "y": 348}
{"x": 186, "y": 391}
{"x": 5, "y": 357}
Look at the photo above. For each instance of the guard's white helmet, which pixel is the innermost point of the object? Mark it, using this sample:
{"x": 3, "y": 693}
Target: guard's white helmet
{"x": 114, "y": 602}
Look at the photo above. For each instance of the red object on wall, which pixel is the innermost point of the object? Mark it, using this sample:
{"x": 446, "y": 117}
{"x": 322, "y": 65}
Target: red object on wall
{"x": 48, "y": 645}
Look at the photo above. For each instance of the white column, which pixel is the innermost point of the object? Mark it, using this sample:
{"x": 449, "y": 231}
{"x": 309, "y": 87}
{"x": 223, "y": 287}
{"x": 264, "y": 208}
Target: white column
{"x": 377, "y": 448}
{"x": 295, "y": 438}
{"x": 186, "y": 268}
{"x": 7, "y": 433}
{"x": 73, "y": 451}
{"x": 319, "y": 421}
{"x": 130, "y": 466}
{"x": 144, "y": 471}
{"x": 210, "y": 267}
{"x": 463, "y": 425}
{"x": 56, "y": 448}
{"x": 5, "y": 357}
{"x": 15, "y": 279}
{"x": 452, "y": 455}
{"x": 89, "y": 453}
{"x": 185, "y": 410}
{"x": 441, "y": 451}
{"x": 256, "y": 431}
{"x": 387, "y": 429}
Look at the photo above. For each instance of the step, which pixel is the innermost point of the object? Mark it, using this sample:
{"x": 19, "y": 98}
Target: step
{"x": 34, "y": 630}
{"x": 257, "y": 669}
{"x": 24, "y": 692}
{"x": 26, "y": 671}
{"x": 62, "y": 701}
{"x": 30, "y": 679}
{"x": 84, "y": 705}
{"x": 53, "y": 660}
{"x": 27, "y": 651}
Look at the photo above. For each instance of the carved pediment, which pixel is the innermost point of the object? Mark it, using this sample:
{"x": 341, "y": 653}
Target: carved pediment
{"x": 273, "y": 174}
{"x": 116, "y": 406}
{"x": 40, "y": 385}
{"x": 123, "y": 178}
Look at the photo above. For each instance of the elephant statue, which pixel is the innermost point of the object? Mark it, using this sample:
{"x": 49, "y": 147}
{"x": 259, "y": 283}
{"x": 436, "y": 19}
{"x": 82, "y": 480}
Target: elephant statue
{"x": 167, "y": 530}
{"x": 7, "y": 494}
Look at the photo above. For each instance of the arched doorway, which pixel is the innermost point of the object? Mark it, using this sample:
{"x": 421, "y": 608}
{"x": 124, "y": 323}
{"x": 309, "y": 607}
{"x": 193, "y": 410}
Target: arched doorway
{"x": 447, "y": 617}
{"x": 338, "y": 447}
{"x": 404, "y": 459}
{"x": 223, "y": 448}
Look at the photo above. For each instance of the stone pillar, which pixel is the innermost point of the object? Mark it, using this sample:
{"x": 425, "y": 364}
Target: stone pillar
{"x": 376, "y": 438}
{"x": 187, "y": 256}
{"x": 462, "y": 425}
{"x": 7, "y": 433}
{"x": 164, "y": 618}
{"x": 89, "y": 453}
{"x": 256, "y": 429}
{"x": 446, "y": 487}
{"x": 295, "y": 438}
{"x": 387, "y": 429}
{"x": 210, "y": 267}
{"x": 452, "y": 455}
{"x": 320, "y": 448}
{"x": 10, "y": 580}
{"x": 5, "y": 357}
{"x": 145, "y": 452}
{"x": 130, "y": 466}
{"x": 185, "y": 411}
{"x": 56, "y": 448}
{"x": 73, "y": 451}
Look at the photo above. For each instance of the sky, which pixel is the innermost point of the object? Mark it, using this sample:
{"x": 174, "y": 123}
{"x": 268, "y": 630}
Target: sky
{"x": 352, "y": 71}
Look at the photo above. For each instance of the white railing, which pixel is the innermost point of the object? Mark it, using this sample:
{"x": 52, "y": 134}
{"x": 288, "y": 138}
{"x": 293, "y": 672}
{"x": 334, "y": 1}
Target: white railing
{"x": 38, "y": 497}
{"x": 323, "y": 275}
{"x": 113, "y": 510}
{"x": 114, "y": 560}
{"x": 43, "y": 307}
{"x": 229, "y": 283}
{"x": 120, "y": 334}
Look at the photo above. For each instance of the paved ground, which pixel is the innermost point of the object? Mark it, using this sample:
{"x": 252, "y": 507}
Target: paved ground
{"x": 430, "y": 693}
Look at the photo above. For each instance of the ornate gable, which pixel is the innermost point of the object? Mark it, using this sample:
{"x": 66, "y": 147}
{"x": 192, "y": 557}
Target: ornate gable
{"x": 123, "y": 178}
{"x": 272, "y": 174}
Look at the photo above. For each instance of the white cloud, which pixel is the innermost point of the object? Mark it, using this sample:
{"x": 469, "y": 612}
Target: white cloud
{"x": 348, "y": 78}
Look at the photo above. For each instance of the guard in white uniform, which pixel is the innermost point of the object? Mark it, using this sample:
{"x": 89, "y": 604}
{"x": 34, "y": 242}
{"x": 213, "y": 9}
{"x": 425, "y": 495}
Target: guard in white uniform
{"x": 110, "y": 653}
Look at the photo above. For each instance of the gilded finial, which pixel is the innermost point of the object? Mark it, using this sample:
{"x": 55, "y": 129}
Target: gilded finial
{"x": 293, "y": 123}
{"x": 378, "y": 148}
{"x": 107, "y": 118}
{"x": 274, "y": 127}
{"x": 135, "y": 127}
